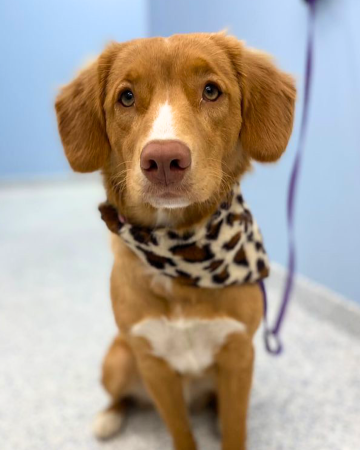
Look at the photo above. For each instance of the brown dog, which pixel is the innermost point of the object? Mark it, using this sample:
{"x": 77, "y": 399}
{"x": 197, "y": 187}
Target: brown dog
{"x": 173, "y": 123}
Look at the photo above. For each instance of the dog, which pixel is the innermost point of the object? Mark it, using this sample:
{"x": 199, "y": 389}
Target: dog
{"x": 173, "y": 124}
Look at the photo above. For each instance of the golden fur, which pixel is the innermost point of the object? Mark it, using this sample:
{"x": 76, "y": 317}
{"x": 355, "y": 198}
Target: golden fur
{"x": 251, "y": 120}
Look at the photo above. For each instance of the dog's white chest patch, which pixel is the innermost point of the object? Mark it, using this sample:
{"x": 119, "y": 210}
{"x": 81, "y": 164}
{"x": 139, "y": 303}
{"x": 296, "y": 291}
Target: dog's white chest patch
{"x": 188, "y": 345}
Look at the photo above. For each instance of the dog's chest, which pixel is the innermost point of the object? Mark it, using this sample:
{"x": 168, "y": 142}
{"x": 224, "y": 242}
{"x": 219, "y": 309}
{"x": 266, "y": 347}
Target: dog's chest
{"x": 187, "y": 344}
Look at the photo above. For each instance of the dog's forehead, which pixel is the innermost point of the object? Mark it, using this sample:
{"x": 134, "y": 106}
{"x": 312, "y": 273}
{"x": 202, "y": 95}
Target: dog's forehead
{"x": 176, "y": 57}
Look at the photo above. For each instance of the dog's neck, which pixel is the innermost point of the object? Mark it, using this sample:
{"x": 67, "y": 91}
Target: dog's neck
{"x": 226, "y": 249}
{"x": 164, "y": 218}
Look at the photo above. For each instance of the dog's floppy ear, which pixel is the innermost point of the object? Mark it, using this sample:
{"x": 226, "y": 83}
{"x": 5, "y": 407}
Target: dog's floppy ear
{"x": 268, "y": 103}
{"x": 80, "y": 115}
{"x": 267, "y": 100}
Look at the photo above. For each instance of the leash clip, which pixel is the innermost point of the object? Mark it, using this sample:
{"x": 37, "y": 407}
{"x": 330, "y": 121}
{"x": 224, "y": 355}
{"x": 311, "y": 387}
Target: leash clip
{"x": 272, "y": 342}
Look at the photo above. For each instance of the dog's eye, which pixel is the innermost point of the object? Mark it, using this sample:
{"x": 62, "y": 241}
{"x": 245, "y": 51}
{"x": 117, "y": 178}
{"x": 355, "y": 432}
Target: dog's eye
{"x": 211, "y": 92}
{"x": 127, "y": 98}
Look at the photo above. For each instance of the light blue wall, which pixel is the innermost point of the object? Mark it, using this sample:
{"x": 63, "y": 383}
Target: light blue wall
{"x": 42, "y": 42}
{"x": 328, "y": 213}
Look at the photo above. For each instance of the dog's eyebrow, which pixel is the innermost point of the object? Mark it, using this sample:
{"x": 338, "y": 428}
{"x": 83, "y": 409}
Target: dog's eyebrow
{"x": 200, "y": 66}
{"x": 132, "y": 75}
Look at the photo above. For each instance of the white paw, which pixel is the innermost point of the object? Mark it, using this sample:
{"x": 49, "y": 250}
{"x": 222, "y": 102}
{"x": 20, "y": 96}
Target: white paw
{"x": 106, "y": 424}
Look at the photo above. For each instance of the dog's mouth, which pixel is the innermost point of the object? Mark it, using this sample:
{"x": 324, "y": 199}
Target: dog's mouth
{"x": 168, "y": 197}
{"x": 171, "y": 196}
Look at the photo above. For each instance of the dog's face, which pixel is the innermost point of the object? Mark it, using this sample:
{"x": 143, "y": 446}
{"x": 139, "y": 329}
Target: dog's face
{"x": 173, "y": 118}
{"x": 174, "y": 122}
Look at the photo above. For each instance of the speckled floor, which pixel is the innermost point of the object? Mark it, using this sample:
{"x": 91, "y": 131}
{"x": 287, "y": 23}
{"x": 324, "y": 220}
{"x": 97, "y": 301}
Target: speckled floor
{"x": 56, "y": 322}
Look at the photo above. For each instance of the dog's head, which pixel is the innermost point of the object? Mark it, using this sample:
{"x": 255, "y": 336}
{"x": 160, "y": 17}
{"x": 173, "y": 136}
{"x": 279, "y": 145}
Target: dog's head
{"x": 173, "y": 122}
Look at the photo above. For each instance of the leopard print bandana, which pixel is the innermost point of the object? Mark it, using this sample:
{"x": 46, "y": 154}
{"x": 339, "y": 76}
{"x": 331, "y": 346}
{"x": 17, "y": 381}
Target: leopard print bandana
{"x": 225, "y": 251}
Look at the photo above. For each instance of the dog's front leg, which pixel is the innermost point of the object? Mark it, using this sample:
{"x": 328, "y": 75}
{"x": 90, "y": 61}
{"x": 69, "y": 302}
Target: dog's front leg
{"x": 235, "y": 369}
{"x": 165, "y": 388}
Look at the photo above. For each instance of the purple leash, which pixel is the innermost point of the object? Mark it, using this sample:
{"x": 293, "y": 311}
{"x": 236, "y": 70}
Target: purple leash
{"x": 271, "y": 335}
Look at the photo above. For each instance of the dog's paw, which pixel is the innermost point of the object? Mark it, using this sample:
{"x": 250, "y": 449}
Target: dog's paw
{"x": 106, "y": 424}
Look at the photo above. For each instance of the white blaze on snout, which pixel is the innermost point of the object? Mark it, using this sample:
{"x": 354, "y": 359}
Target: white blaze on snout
{"x": 163, "y": 126}
{"x": 188, "y": 345}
